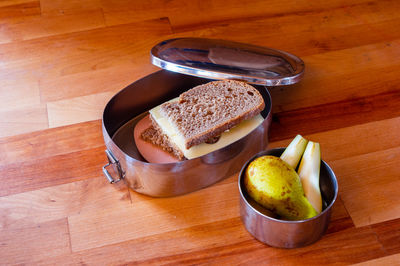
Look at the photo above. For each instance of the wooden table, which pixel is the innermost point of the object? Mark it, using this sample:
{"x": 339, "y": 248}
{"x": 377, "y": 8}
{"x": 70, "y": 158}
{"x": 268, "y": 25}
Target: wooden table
{"x": 61, "y": 61}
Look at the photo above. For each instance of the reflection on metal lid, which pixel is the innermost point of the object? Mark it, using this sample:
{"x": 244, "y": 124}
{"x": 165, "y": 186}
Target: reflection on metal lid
{"x": 220, "y": 59}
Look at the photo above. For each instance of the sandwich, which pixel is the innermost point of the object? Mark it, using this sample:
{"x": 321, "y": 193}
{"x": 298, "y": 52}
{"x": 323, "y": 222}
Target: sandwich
{"x": 205, "y": 118}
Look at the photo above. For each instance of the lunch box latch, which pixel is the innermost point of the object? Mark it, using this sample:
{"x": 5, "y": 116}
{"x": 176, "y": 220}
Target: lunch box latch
{"x": 112, "y": 161}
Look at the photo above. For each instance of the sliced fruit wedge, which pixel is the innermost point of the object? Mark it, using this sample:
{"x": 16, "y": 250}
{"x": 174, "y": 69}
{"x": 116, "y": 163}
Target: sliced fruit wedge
{"x": 294, "y": 150}
{"x": 308, "y": 171}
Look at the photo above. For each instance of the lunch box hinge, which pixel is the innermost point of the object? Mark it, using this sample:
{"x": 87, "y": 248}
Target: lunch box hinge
{"x": 117, "y": 168}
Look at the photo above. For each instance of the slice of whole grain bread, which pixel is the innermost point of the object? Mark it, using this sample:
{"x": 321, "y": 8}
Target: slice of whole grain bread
{"x": 154, "y": 136}
{"x": 206, "y": 111}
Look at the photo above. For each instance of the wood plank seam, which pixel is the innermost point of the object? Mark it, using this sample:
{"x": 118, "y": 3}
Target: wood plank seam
{"x": 367, "y": 104}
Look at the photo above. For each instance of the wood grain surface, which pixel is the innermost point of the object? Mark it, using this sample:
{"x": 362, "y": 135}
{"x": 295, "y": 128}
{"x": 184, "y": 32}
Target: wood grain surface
{"x": 62, "y": 61}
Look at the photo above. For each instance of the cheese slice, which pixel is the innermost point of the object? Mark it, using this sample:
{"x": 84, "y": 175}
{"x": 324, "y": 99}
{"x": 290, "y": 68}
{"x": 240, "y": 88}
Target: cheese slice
{"x": 228, "y": 137}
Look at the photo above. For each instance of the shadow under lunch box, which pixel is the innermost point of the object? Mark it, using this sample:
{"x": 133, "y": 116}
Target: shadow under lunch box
{"x": 186, "y": 63}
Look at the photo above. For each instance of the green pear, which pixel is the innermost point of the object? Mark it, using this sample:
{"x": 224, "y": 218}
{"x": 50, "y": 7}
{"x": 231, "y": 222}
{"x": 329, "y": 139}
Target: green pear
{"x": 274, "y": 184}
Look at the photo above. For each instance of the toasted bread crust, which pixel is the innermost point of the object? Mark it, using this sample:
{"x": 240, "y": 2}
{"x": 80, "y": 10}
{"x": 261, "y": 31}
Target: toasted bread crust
{"x": 206, "y": 111}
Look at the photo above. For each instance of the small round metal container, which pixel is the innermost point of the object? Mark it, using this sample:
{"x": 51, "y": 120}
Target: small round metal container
{"x": 188, "y": 62}
{"x": 265, "y": 227}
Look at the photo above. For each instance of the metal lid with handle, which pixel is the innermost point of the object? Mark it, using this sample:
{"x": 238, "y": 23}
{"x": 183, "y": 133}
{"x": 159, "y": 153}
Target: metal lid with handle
{"x": 221, "y": 59}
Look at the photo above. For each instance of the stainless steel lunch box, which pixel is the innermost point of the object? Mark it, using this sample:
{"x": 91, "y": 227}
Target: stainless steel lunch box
{"x": 188, "y": 62}
{"x": 267, "y": 228}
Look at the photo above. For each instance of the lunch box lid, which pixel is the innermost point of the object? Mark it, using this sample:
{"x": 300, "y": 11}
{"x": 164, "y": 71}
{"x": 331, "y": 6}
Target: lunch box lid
{"x": 222, "y": 59}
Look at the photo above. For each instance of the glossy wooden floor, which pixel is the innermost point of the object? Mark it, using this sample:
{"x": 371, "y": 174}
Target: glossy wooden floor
{"x": 61, "y": 61}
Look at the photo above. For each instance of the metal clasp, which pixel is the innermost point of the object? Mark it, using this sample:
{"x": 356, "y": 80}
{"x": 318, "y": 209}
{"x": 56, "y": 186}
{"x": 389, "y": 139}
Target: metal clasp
{"x": 117, "y": 168}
